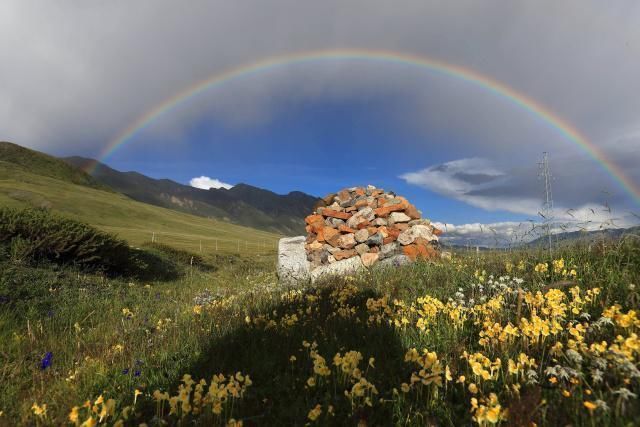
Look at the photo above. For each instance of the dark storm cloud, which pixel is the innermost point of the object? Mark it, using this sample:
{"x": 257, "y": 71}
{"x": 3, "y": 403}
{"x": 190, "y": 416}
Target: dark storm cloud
{"x": 74, "y": 74}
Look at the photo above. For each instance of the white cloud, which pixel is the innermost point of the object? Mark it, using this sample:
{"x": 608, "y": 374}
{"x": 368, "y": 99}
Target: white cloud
{"x": 513, "y": 233}
{"x": 463, "y": 179}
{"x": 205, "y": 183}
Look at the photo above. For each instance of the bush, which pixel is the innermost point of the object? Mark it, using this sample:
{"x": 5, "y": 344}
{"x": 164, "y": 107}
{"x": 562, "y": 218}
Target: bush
{"x": 30, "y": 236}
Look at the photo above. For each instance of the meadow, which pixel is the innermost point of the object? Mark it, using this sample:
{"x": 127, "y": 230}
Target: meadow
{"x": 131, "y": 220}
{"x": 496, "y": 338}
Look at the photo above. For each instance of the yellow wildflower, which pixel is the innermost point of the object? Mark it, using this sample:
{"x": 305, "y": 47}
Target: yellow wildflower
{"x": 315, "y": 412}
{"x": 73, "y": 415}
{"x": 39, "y": 410}
{"x": 591, "y": 406}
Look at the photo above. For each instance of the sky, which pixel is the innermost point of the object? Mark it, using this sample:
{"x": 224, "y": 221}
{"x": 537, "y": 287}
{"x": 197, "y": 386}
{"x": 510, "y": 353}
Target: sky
{"x": 75, "y": 75}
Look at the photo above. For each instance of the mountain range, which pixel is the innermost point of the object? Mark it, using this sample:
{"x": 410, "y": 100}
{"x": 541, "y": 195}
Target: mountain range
{"x": 242, "y": 204}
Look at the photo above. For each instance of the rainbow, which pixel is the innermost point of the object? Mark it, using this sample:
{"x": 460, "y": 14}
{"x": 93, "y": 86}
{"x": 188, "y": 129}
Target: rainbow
{"x": 569, "y": 132}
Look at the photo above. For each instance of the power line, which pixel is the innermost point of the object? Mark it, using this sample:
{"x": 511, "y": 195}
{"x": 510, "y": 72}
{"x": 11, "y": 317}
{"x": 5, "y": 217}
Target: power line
{"x": 547, "y": 206}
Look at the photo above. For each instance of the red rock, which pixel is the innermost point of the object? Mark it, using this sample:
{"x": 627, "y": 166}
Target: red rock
{"x": 414, "y": 251}
{"x": 361, "y": 203}
{"x": 329, "y": 234}
{"x": 313, "y": 218}
{"x": 376, "y": 192}
{"x": 388, "y": 240}
{"x": 335, "y": 214}
{"x": 360, "y": 191}
{"x": 373, "y": 230}
{"x": 437, "y": 231}
{"x": 351, "y": 209}
{"x": 364, "y": 224}
{"x": 384, "y": 231}
{"x": 393, "y": 231}
{"x": 381, "y": 201}
{"x": 344, "y": 254}
{"x": 412, "y": 212}
{"x": 344, "y": 229}
{"x": 386, "y": 210}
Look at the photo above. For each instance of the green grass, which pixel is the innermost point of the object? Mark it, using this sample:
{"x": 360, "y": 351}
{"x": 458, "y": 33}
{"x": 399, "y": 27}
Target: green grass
{"x": 237, "y": 318}
{"x": 133, "y": 221}
{"x": 44, "y": 165}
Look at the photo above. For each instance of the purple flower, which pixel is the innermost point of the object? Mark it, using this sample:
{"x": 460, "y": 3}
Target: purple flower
{"x": 46, "y": 361}
{"x": 125, "y": 371}
{"x": 137, "y": 373}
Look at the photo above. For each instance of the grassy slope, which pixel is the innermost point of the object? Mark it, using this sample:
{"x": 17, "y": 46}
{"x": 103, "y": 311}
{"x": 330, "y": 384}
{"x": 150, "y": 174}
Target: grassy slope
{"x": 113, "y": 355}
{"x": 131, "y": 220}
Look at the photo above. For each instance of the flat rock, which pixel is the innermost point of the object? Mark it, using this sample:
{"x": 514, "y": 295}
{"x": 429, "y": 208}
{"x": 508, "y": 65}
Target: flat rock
{"x": 362, "y": 248}
{"x": 399, "y": 217}
{"x": 369, "y": 259}
{"x": 394, "y": 261}
{"x": 347, "y": 241}
{"x": 408, "y": 236}
{"x": 362, "y": 235}
{"x": 292, "y": 260}
{"x": 339, "y": 268}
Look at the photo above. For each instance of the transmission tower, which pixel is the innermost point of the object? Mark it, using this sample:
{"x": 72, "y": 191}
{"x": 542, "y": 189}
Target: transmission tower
{"x": 547, "y": 207}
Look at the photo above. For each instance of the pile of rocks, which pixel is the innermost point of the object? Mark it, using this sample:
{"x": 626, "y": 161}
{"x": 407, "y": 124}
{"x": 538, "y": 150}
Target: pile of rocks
{"x": 368, "y": 223}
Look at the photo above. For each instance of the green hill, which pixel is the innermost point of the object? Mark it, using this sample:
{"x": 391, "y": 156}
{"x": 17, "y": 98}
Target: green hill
{"x": 28, "y": 178}
{"x": 44, "y": 165}
{"x": 243, "y": 204}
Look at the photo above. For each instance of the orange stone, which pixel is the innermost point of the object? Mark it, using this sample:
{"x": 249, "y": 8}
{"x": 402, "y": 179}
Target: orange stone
{"x": 344, "y": 229}
{"x": 313, "y": 218}
{"x": 344, "y": 254}
{"x": 414, "y": 251}
{"x": 384, "y": 211}
{"x": 373, "y": 230}
{"x": 335, "y": 214}
{"x": 388, "y": 240}
{"x": 437, "y": 231}
{"x": 361, "y": 203}
{"x": 350, "y": 209}
{"x": 360, "y": 191}
{"x": 363, "y": 224}
{"x": 412, "y": 212}
{"x": 328, "y": 233}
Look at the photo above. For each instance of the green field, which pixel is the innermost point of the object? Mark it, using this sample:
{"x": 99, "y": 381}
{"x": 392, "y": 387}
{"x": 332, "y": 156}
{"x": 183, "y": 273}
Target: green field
{"x": 210, "y": 337}
{"x": 133, "y": 221}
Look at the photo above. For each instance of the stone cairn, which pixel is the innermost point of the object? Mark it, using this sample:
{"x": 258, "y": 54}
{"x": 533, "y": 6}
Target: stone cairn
{"x": 355, "y": 229}
{"x": 368, "y": 223}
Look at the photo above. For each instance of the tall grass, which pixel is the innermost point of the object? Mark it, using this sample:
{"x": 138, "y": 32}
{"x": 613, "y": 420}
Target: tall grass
{"x": 123, "y": 340}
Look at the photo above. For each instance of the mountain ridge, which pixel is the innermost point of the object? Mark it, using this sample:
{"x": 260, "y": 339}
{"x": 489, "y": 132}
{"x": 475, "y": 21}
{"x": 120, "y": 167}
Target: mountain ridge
{"x": 242, "y": 204}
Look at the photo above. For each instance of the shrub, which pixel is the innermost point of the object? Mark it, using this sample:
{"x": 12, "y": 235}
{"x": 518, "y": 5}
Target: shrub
{"x": 33, "y": 235}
